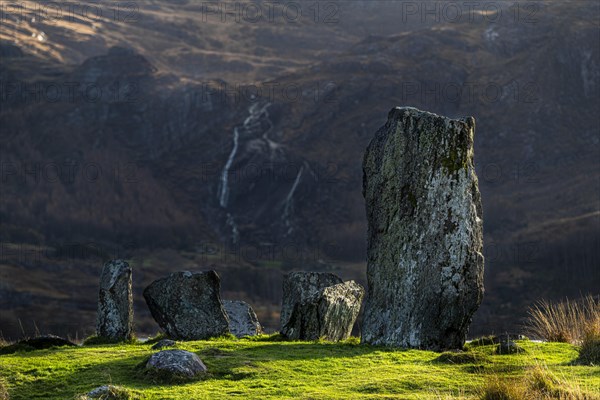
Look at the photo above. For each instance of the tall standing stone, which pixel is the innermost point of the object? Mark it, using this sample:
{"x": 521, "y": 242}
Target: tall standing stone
{"x": 115, "y": 302}
{"x": 425, "y": 240}
{"x": 188, "y": 305}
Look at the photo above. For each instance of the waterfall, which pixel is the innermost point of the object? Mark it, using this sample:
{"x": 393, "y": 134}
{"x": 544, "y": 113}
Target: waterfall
{"x": 224, "y": 192}
{"x": 288, "y": 200}
{"x": 235, "y": 233}
{"x": 251, "y": 128}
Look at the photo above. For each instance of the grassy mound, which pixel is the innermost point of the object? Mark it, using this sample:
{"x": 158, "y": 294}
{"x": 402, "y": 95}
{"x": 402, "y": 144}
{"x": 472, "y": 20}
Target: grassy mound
{"x": 263, "y": 368}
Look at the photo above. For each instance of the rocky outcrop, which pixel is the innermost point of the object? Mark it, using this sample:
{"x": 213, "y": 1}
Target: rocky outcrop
{"x": 319, "y": 305}
{"x": 188, "y": 305}
{"x": 115, "y": 302}
{"x": 175, "y": 364}
{"x": 242, "y": 318}
{"x": 424, "y": 263}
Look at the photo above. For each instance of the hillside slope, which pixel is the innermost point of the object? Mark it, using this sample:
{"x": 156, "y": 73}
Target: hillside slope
{"x": 136, "y": 153}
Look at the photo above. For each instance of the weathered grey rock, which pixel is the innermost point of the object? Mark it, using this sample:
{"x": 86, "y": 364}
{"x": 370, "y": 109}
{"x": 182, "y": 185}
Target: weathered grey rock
{"x": 425, "y": 262}
{"x": 115, "y": 302}
{"x": 319, "y": 305}
{"x": 178, "y": 363}
{"x": 106, "y": 392}
{"x": 188, "y": 305}
{"x": 164, "y": 343}
{"x": 242, "y": 318}
{"x": 508, "y": 347}
{"x": 299, "y": 286}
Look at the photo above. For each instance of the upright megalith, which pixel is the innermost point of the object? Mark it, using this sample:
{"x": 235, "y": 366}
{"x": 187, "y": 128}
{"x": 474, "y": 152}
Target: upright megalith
{"x": 115, "y": 302}
{"x": 242, "y": 318}
{"x": 425, "y": 241}
{"x": 188, "y": 305}
{"x": 319, "y": 305}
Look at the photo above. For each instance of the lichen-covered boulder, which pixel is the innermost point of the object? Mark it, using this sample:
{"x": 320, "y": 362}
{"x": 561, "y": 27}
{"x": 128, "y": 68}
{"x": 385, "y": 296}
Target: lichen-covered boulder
{"x": 242, "y": 318}
{"x": 424, "y": 262}
{"x": 299, "y": 286}
{"x": 188, "y": 305}
{"x": 175, "y": 364}
{"x": 115, "y": 302}
{"x": 319, "y": 305}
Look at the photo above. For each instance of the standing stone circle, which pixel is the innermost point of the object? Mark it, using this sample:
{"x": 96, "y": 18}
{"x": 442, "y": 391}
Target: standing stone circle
{"x": 242, "y": 318}
{"x": 425, "y": 240}
{"x": 319, "y": 305}
{"x": 187, "y": 306}
{"x": 115, "y": 302}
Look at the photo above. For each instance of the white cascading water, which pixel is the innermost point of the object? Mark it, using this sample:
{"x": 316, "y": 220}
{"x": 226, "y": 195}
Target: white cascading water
{"x": 288, "y": 201}
{"x": 249, "y": 127}
{"x": 224, "y": 192}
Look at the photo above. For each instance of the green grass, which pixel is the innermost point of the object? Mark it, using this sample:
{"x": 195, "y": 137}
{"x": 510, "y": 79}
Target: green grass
{"x": 261, "y": 368}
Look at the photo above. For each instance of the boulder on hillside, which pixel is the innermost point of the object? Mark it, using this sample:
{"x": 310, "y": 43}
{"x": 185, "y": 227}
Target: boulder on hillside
{"x": 242, "y": 318}
{"x": 187, "y": 306}
{"x": 175, "y": 364}
{"x": 299, "y": 286}
{"x": 425, "y": 236}
{"x": 115, "y": 302}
{"x": 319, "y": 305}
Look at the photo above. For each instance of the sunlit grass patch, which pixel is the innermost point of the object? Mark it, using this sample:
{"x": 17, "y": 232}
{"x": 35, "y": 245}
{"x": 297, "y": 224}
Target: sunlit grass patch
{"x": 262, "y": 368}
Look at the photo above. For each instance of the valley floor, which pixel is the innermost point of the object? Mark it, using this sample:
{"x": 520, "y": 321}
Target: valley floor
{"x": 266, "y": 368}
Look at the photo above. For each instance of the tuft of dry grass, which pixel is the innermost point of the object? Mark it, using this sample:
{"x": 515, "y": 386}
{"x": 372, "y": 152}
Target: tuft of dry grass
{"x": 3, "y": 391}
{"x": 498, "y": 388}
{"x": 538, "y": 384}
{"x": 566, "y": 322}
{"x": 589, "y": 352}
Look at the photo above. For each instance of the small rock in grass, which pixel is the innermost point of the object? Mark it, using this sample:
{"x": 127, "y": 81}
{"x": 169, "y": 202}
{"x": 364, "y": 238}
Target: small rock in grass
{"x": 164, "y": 343}
{"x": 509, "y": 347}
{"x": 175, "y": 364}
{"x": 36, "y": 343}
{"x": 107, "y": 392}
{"x": 460, "y": 357}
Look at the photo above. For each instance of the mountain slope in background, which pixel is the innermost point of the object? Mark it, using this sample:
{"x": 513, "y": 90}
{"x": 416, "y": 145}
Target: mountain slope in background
{"x": 198, "y": 143}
